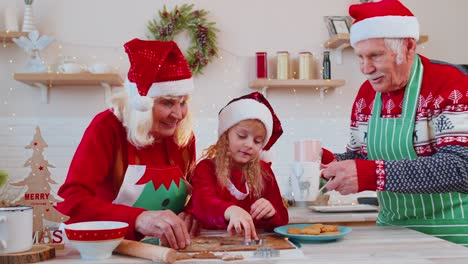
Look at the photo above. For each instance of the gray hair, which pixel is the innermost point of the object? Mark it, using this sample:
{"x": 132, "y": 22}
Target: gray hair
{"x": 396, "y": 45}
{"x": 139, "y": 124}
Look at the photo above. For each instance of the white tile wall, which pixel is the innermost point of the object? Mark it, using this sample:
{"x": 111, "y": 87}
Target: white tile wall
{"x": 63, "y": 136}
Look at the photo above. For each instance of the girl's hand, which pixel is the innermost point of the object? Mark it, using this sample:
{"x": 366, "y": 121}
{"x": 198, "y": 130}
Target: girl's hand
{"x": 262, "y": 208}
{"x": 240, "y": 222}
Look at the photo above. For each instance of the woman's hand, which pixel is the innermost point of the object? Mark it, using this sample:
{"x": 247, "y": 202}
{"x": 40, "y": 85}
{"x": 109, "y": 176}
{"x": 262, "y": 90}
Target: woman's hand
{"x": 193, "y": 226}
{"x": 262, "y": 208}
{"x": 240, "y": 222}
{"x": 164, "y": 225}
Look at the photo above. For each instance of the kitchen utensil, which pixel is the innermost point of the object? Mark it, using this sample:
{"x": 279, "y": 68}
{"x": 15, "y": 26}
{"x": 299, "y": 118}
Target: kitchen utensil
{"x": 146, "y": 251}
{"x": 266, "y": 253}
{"x": 323, "y": 187}
{"x": 258, "y": 242}
{"x": 368, "y": 200}
{"x": 16, "y": 227}
{"x": 96, "y": 240}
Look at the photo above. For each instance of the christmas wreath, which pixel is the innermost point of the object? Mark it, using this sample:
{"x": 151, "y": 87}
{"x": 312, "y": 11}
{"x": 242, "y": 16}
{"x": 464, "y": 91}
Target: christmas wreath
{"x": 201, "y": 32}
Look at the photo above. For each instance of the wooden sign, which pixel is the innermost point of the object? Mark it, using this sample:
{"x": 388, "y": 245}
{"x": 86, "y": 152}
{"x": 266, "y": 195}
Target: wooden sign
{"x": 38, "y": 194}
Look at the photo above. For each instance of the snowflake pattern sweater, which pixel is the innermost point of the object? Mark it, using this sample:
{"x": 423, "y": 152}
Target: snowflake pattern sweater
{"x": 440, "y": 136}
{"x": 210, "y": 201}
{"x": 98, "y": 168}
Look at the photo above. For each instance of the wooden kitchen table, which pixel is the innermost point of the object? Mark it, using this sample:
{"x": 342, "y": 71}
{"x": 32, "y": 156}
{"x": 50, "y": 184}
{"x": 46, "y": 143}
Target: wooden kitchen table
{"x": 298, "y": 215}
{"x": 365, "y": 244}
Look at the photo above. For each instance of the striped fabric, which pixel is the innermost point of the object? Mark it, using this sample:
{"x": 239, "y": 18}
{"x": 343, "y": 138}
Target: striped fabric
{"x": 438, "y": 214}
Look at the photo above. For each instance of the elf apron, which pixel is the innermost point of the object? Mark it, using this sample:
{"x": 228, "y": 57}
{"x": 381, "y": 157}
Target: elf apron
{"x": 438, "y": 214}
{"x": 152, "y": 188}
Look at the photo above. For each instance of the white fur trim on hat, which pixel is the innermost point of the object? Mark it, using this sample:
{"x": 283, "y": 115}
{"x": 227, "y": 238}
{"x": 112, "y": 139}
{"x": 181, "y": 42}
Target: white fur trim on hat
{"x": 137, "y": 102}
{"x": 174, "y": 88}
{"x": 385, "y": 27}
{"x": 169, "y": 88}
{"x": 245, "y": 109}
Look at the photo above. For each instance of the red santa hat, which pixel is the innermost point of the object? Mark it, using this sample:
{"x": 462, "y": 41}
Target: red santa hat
{"x": 251, "y": 106}
{"x": 384, "y": 19}
{"x": 157, "y": 68}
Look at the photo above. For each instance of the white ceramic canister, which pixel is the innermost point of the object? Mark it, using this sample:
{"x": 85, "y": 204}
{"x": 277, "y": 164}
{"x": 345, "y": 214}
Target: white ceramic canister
{"x": 305, "y": 60}
{"x": 282, "y": 65}
{"x": 16, "y": 229}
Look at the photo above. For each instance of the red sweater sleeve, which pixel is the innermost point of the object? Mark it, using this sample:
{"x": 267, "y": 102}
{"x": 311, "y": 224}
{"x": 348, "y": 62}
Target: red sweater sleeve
{"x": 208, "y": 207}
{"x": 90, "y": 187}
{"x": 271, "y": 192}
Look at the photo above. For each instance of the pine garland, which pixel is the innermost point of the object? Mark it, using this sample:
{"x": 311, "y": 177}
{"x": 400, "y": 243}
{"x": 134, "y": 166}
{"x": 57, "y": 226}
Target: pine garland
{"x": 202, "y": 33}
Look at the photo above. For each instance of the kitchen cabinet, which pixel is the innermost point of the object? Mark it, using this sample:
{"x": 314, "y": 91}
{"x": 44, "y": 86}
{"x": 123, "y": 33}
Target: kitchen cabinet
{"x": 46, "y": 80}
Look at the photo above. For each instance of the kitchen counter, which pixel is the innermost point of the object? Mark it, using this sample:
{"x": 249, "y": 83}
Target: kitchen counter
{"x": 306, "y": 215}
{"x": 365, "y": 244}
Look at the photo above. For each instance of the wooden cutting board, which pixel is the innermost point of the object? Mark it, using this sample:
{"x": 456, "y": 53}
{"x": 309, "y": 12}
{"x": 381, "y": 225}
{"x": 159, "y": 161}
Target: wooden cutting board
{"x": 36, "y": 254}
{"x": 234, "y": 243}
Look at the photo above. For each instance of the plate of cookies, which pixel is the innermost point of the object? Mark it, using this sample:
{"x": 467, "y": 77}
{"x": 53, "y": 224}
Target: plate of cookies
{"x": 313, "y": 232}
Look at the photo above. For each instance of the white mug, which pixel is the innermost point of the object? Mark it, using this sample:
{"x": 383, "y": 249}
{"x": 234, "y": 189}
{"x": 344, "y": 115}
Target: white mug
{"x": 305, "y": 181}
{"x": 307, "y": 150}
{"x": 99, "y": 68}
{"x": 69, "y": 67}
{"x": 16, "y": 229}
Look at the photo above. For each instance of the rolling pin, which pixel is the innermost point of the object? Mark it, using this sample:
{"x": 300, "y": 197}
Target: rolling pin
{"x": 146, "y": 251}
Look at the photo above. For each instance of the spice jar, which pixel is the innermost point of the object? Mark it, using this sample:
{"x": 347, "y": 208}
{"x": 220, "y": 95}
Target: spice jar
{"x": 262, "y": 66}
{"x": 282, "y": 65}
{"x": 305, "y": 59}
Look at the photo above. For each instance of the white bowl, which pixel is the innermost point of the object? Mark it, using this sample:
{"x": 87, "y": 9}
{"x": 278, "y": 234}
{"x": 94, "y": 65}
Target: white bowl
{"x": 96, "y": 240}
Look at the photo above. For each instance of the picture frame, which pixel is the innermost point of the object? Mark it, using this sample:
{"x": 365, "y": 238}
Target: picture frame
{"x": 338, "y": 24}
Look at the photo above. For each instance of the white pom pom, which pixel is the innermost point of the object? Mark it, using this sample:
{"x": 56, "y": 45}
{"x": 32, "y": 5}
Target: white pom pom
{"x": 142, "y": 103}
{"x": 267, "y": 156}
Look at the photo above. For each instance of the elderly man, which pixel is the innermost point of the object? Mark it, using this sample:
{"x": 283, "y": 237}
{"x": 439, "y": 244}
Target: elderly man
{"x": 409, "y": 128}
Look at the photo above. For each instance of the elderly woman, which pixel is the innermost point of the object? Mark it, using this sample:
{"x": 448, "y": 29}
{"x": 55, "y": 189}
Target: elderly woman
{"x": 132, "y": 161}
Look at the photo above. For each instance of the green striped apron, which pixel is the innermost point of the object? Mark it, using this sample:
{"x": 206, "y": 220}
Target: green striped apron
{"x": 438, "y": 214}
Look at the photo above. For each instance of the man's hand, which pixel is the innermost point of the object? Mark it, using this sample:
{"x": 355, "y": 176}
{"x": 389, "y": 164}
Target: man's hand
{"x": 345, "y": 176}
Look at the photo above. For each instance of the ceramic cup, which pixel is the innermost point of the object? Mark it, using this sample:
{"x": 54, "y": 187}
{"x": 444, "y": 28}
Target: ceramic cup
{"x": 307, "y": 150}
{"x": 16, "y": 229}
{"x": 69, "y": 67}
{"x": 99, "y": 68}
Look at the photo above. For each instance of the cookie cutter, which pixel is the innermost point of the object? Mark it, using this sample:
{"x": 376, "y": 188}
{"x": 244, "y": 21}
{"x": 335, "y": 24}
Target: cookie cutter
{"x": 258, "y": 242}
{"x": 266, "y": 253}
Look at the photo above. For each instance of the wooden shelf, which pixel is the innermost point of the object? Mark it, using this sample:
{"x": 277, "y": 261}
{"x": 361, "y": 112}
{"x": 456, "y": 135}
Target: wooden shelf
{"x": 265, "y": 84}
{"x": 47, "y": 80}
{"x": 342, "y": 39}
{"x": 7, "y": 36}
{"x": 69, "y": 79}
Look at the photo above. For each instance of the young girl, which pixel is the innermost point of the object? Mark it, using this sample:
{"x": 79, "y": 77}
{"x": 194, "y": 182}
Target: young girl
{"x": 232, "y": 187}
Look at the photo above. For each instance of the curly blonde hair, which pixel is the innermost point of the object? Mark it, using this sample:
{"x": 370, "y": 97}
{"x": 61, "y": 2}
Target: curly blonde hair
{"x": 221, "y": 155}
{"x": 139, "y": 124}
